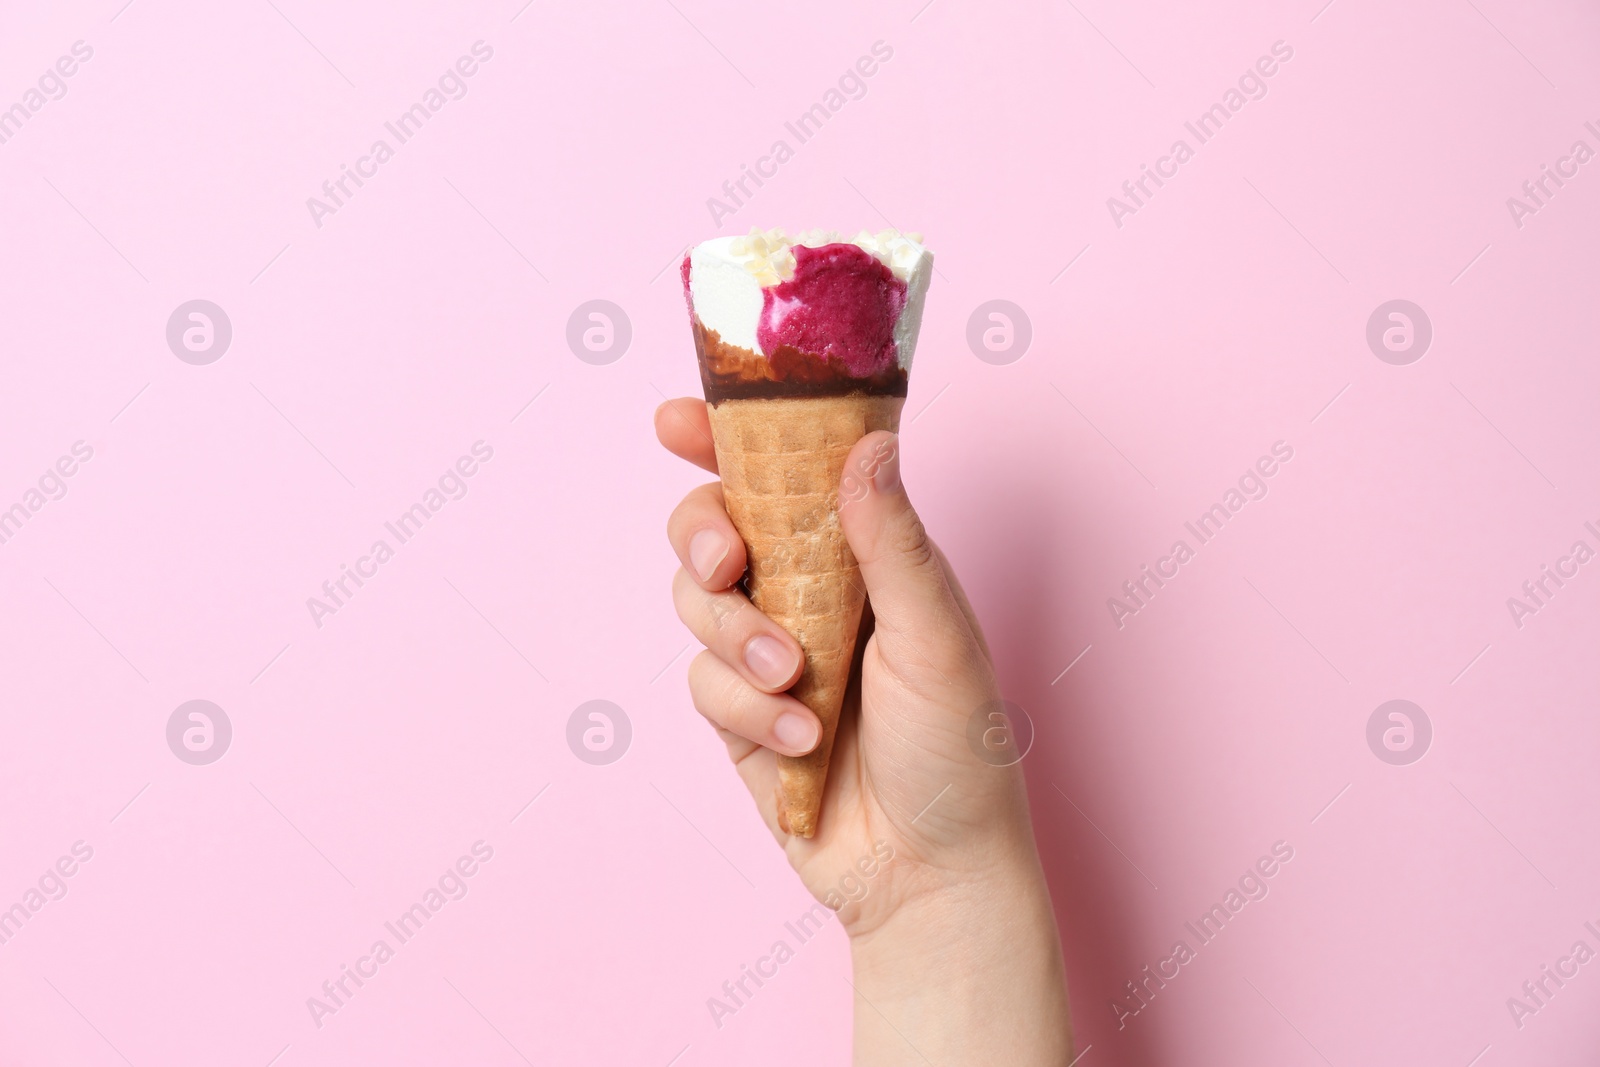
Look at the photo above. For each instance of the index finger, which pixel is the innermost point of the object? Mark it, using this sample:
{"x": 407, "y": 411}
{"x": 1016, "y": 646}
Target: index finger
{"x": 684, "y": 429}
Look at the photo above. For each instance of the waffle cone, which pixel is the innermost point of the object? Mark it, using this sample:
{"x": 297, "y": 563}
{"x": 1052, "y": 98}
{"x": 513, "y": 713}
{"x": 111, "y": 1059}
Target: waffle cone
{"x": 781, "y": 460}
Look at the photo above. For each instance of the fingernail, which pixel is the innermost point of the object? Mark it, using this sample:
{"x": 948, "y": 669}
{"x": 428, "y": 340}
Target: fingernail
{"x": 886, "y": 479}
{"x": 707, "y": 550}
{"x": 769, "y": 660}
{"x": 795, "y": 731}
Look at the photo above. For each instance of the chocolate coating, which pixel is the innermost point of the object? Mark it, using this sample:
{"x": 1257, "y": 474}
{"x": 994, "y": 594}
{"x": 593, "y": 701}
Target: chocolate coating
{"x": 729, "y": 372}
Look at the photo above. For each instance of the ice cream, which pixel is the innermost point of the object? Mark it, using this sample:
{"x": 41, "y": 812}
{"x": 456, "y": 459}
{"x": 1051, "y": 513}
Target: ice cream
{"x": 812, "y": 314}
{"x": 805, "y": 347}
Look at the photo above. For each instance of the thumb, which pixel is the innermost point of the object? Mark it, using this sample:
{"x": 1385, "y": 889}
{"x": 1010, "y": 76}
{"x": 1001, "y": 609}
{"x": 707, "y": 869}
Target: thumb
{"x": 905, "y": 581}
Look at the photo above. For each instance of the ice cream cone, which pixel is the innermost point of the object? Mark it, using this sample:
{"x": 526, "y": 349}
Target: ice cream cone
{"x": 781, "y": 460}
{"x": 805, "y": 347}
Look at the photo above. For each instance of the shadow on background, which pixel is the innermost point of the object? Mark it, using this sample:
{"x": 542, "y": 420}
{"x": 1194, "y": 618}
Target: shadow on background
{"x": 1024, "y": 564}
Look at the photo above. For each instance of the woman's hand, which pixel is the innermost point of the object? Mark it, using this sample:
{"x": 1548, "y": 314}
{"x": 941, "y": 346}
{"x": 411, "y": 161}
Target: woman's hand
{"x": 924, "y": 848}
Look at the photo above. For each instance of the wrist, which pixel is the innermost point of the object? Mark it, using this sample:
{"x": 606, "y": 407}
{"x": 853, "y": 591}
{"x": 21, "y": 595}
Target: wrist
{"x": 957, "y": 926}
{"x": 971, "y": 972}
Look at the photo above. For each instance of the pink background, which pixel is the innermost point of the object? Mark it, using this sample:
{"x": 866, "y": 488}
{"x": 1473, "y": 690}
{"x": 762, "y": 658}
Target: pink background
{"x": 368, "y": 354}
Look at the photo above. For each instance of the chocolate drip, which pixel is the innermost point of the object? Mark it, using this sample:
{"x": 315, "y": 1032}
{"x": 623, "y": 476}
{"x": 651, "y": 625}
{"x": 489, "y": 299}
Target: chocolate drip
{"x": 730, "y": 372}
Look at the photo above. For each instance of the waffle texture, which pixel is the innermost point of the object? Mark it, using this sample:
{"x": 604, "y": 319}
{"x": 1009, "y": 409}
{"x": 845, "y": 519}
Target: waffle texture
{"x": 781, "y": 460}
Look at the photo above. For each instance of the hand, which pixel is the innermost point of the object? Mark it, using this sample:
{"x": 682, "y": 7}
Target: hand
{"x": 923, "y": 849}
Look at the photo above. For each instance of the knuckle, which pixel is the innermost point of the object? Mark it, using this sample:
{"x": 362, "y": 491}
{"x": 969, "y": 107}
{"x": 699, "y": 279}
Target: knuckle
{"x": 909, "y": 540}
{"x": 704, "y": 690}
{"x": 725, "y": 609}
{"x": 687, "y": 603}
{"x": 705, "y": 614}
{"x": 680, "y": 598}
{"x": 701, "y": 667}
{"x": 698, "y": 501}
{"x": 680, "y": 514}
{"x": 718, "y": 698}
